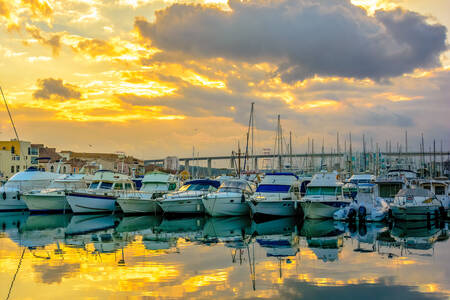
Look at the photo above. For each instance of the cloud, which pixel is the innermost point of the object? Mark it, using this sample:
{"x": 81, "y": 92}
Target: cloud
{"x": 304, "y": 38}
{"x": 95, "y": 47}
{"x": 39, "y": 9}
{"x": 4, "y": 9}
{"x": 54, "y": 39}
{"x": 55, "y": 88}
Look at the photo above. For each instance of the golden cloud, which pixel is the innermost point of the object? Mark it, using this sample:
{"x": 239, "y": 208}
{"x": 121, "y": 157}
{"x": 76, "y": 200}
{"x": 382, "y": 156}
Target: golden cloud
{"x": 53, "y": 40}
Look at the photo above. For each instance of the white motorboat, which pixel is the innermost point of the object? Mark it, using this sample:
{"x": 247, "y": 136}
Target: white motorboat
{"x": 323, "y": 196}
{"x": 277, "y": 195}
{"x": 188, "y": 199}
{"x": 365, "y": 207}
{"x": 102, "y": 193}
{"x": 29, "y": 180}
{"x": 415, "y": 204}
{"x": 441, "y": 189}
{"x": 230, "y": 198}
{"x": 154, "y": 185}
{"x": 53, "y": 198}
{"x": 392, "y": 182}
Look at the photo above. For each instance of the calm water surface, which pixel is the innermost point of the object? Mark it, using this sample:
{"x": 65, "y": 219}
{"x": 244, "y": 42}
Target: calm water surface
{"x": 116, "y": 257}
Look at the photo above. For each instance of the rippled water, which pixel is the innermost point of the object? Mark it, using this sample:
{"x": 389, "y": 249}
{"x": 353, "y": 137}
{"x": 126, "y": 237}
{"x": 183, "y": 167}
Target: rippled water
{"x": 114, "y": 257}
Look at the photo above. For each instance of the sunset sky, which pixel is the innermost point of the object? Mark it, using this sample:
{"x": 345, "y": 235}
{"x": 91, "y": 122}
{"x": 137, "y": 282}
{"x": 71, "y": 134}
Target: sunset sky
{"x": 156, "y": 77}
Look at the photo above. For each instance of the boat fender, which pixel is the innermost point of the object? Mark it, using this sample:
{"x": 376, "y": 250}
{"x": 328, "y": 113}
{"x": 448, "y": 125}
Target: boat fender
{"x": 18, "y": 195}
{"x": 4, "y": 195}
{"x": 362, "y": 213}
{"x": 351, "y": 214}
{"x": 436, "y": 214}
{"x": 390, "y": 215}
{"x": 442, "y": 211}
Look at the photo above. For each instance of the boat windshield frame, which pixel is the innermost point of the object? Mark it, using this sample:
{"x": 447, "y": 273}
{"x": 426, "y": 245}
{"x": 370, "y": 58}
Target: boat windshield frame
{"x": 196, "y": 187}
{"x": 333, "y": 191}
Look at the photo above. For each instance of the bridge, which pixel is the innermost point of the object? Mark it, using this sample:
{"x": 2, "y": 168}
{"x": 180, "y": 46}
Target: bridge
{"x": 256, "y": 158}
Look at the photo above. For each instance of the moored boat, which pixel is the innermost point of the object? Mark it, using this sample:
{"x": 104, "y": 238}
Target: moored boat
{"x": 154, "y": 185}
{"x": 188, "y": 199}
{"x": 53, "y": 198}
{"x": 102, "y": 193}
{"x": 415, "y": 204}
{"x": 12, "y": 191}
{"x": 323, "y": 196}
{"x": 277, "y": 195}
{"x": 365, "y": 207}
{"x": 230, "y": 199}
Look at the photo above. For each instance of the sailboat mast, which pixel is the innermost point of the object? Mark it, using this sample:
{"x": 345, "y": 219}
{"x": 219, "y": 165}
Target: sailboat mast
{"x": 290, "y": 149}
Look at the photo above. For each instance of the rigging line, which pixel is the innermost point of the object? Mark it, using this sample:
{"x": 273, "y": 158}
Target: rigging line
{"x": 9, "y": 113}
{"x": 15, "y": 274}
{"x": 12, "y": 123}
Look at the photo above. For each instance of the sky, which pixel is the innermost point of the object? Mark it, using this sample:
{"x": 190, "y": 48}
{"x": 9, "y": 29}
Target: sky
{"x": 157, "y": 78}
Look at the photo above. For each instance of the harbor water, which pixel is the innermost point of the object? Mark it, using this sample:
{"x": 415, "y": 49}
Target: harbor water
{"x": 143, "y": 257}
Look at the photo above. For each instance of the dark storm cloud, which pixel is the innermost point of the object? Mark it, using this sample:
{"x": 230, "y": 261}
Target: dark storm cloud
{"x": 50, "y": 87}
{"x": 305, "y": 38}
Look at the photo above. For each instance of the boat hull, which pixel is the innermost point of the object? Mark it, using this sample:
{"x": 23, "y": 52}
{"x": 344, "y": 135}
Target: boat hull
{"x": 225, "y": 206}
{"x": 320, "y": 210}
{"x": 418, "y": 213}
{"x": 90, "y": 203}
{"x": 46, "y": 203}
{"x": 139, "y": 206}
{"x": 183, "y": 206}
{"x": 273, "y": 208}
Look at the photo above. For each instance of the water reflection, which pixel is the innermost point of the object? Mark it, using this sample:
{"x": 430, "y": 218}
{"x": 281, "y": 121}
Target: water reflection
{"x": 100, "y": 256}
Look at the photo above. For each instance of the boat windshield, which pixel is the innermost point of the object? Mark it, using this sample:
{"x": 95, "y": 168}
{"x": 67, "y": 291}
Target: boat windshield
{"x": 323, "y": 190}
{"x": 232, "y": 186}
{"x": 197, "y": 187}
{"x": 106, "y": 185}
{"x": 273, "y": 188}
{"x": 94, "y": 185}
{"x": 358, "y": 181}
{"x": 154, "y": 186}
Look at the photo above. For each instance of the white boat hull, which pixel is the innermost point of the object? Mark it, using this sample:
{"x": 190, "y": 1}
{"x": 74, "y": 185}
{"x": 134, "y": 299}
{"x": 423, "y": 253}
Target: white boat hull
{"x": 415, "y": 213}
{"x": 43, "y": 203}
{"x": 11, "y": 199}
{"x": 90, "y": 203}
{"x": 225, "y": 206}
{"x": 137, "y": 206}
{"x": 273, "y": 208}
{"x": 183, "y": 206}
{"x": 318, "y": 210}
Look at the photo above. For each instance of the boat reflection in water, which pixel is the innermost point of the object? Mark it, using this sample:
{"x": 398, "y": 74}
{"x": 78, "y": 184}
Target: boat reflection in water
{"x": 416, "y": 237}
{"x": 323, "y": 238}
{"x": 107, "y": 256}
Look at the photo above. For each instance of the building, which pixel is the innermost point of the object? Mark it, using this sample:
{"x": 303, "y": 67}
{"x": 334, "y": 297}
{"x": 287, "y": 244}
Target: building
{"x": 15, "y": 156}
{"x": 171, "y": 163}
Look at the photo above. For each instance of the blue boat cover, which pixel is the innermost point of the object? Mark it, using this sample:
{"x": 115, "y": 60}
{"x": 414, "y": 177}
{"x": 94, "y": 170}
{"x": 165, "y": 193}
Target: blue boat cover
{"x": 273, "y": 188}
{"x": 214, "y": 183}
